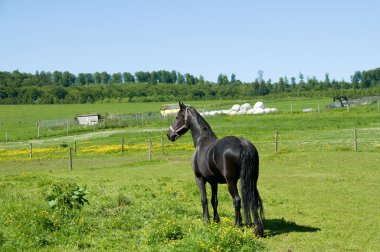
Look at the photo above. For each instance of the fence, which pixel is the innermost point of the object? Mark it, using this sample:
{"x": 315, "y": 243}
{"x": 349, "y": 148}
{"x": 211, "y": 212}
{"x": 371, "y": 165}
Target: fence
{"x": 153, "y": 145}
{"x": 66, "y": 127}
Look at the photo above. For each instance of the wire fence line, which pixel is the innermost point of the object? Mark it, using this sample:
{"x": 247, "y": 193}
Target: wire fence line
{"x": 154, "y": 145}
{"x": 65, "y": 127}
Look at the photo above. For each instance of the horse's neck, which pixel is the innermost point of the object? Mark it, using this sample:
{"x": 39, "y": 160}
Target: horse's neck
{"x": 200, "y": 137}
{"x": 202, "y": 134}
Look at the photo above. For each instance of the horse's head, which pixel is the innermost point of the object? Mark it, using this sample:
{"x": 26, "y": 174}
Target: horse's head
{"x": 180, "y": 124}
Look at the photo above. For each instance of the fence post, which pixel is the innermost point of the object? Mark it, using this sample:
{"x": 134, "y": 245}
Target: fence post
{"x": 75, "y": 147}
{"x": 122, "y": 145}
{"x": 70, "y": 159}
{"x": 291, "y": 108}
{"x": 6, "y": 136}
{"x": 355, "y": 140}
{"x": 276, "y": 140}
{"x": 162, "y": 144}
{"x": 67, "y": 127}
{"x": 31, "y": 150}
{"x": 150, "y": 149}
{"x": 38, "y": 129}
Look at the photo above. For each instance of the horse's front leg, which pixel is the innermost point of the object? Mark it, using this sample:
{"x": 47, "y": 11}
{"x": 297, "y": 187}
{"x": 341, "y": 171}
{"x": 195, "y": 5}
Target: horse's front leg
{"x": 202, "y": 189}
{"x": 214, "y": 201}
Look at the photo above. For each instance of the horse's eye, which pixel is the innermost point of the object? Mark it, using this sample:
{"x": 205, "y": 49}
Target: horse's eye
{"x": 176, "y": 117}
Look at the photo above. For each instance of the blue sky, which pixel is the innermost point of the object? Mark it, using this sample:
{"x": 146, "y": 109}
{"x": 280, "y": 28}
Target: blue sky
{"x": 281, "y": 38}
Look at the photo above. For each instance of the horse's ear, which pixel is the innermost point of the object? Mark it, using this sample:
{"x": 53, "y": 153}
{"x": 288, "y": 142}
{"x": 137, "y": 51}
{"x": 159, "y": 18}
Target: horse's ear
{"x": 181, "y": 105}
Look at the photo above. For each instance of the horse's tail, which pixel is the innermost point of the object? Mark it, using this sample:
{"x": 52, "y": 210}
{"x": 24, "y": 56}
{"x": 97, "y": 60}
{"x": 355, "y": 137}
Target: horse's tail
{"x": 250, "y": 195}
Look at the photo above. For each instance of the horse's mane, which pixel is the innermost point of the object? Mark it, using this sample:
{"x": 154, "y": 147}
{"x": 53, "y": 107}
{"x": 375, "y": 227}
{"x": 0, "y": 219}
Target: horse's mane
{"x": 203, "y": 123}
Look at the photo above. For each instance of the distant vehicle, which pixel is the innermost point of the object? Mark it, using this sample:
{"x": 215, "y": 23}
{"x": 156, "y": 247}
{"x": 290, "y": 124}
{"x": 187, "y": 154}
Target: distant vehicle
{"x": 343, "y": 101}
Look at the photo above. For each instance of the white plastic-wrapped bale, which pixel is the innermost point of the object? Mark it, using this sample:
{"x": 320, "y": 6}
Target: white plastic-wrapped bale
{"x": 242, "y": 111}
{"x": 246, "y": 106}
{"x": 259, "y": 105}
{"x": 267, "y": 110}
{"x": 235, "y": 107}
{"x": 258, "y": 111}
{"x": 226, "y": 111}
{"x": 251, "y": 111}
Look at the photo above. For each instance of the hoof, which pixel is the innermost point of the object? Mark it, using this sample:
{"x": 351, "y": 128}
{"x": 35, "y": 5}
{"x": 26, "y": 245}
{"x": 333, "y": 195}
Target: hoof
{"x": 239, "y": 225}
{"x": 259, "y": 232}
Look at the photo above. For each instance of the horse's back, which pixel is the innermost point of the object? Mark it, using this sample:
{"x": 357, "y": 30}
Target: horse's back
{"x": 227, "y": 155}
{"x": 235, "y": 144}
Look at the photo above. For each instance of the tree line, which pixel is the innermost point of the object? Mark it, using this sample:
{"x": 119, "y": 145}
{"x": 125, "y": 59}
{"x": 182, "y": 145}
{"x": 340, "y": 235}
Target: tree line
{"x": 64, "y": 87}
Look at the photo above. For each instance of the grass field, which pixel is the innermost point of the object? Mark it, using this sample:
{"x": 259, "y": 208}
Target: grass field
{"x": 20, "y": 121}
{"x": 318, "y": 193}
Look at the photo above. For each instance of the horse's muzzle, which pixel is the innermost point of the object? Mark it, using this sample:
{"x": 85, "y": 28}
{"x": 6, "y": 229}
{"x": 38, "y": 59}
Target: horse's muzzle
{"x": 172, "y": 136}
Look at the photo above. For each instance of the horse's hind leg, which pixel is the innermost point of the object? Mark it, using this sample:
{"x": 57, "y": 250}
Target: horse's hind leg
{"x": 232, "y": 188}
{"x": 202, "y": 189}
{"x": 214, "y": 201}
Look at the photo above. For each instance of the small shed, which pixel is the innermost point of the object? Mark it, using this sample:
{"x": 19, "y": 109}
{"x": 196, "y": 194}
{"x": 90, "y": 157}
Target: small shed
{"x": 88, "y": 119}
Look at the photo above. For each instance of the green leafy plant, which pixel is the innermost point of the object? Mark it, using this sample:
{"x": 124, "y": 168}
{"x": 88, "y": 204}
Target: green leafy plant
{"x": 67, "y": 196}
{"x": 2, "y": 238}
{"x": 64, "y": 145}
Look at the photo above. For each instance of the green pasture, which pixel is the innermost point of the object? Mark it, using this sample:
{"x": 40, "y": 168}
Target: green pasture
{"x": 319, "y": 193}
{"x": 19, "y": 122}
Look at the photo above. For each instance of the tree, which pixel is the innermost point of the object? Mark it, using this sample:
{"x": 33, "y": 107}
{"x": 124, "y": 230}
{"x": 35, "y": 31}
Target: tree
{"x": 222, "y": 79}
{"x": 128, "y": 77}
{"x": 116, "y": 78}
{"x": 173, "y": 76}
{"x": 233, "y": 78}
{"x": 81, "y": 79}
{"x": 97, "y": 78}
{"x": 189, "y": 79}
{"x": 180, "y": 78}
{"x": 105, "y": 77}
{"x": 142, "y": 77}
{"x": 57, "y": 77}
{"x": 260, "y": 74}
{"x": 327, "y": 79}
{"x": 356, "y": 79}
{"x": 280, "y": 85}
{"x": 201, "y": 79}
{"x": 46, "y": 78}
{"x": 293, "y": 81}
{"x": 89, "y": 78}
{"x": 59, "y": 92}
{"x": 153, "y": 78}
{"x": 301, "y": 78}
{"x": 68, "y": 79}
{"x": 370, "y": 78}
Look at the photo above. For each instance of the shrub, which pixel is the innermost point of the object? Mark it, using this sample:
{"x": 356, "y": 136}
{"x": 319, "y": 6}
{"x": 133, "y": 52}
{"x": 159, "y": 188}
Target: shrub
{"x": 67, "y": 196}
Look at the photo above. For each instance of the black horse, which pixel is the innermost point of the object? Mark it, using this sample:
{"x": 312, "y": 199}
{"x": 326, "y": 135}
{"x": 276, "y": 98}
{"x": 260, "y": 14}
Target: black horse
{"x": 222, "y": 161}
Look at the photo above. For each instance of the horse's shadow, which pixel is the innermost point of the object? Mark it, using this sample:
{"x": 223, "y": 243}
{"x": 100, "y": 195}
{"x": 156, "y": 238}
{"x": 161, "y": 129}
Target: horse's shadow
{"x": 282, "y": 226}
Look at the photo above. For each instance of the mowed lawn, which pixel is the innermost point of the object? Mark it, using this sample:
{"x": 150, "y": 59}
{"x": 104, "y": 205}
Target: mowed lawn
{"x": 319, "y": 197}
